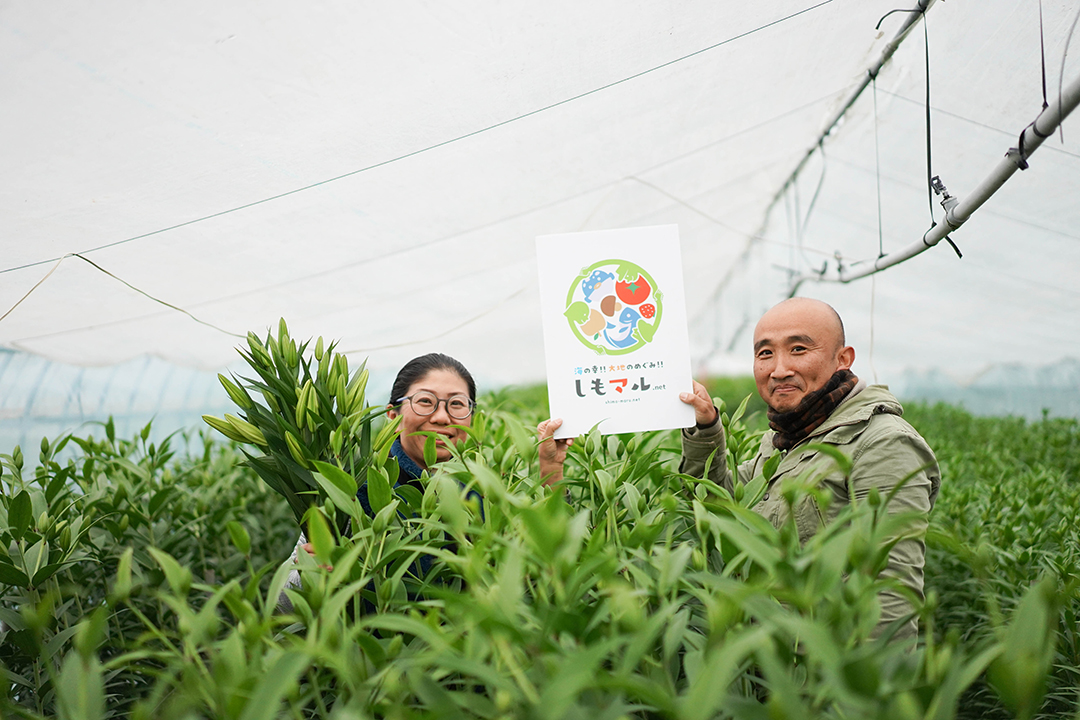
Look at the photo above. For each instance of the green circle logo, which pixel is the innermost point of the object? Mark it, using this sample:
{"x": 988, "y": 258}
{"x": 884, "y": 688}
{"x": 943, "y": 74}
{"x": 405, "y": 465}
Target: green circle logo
{"x": 614, "y": 307}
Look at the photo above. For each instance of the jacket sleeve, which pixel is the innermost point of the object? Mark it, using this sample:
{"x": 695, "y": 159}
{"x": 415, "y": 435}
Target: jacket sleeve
{"x": 698, "y": 444}
{"x": 897, "y": 461}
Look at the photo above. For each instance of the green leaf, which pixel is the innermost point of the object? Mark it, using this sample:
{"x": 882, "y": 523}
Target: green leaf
{"x": 20, "y": 514}
{"x": 432, "y": 695}
{"x": 81, "y": 690}
{"x": 57, "y": 484}
{"x": 371, "y": 647}
{"x": 12, "y": 618}
{"x": 122, "y": 585}
{"x": 280, "y": 680}
{"x": 430, "y": 458}
{"x": 740, "y": 411}
{"x": 11, "y": 575}
{"x": 318, "y": 533}
{"x": 45, "y": 573}
{"x": 752, "y": 544}
{"x": 409, "y": 495}
{"x": 752, "y": 492}
{"x": 1019, "y": 673}
{"x": 365, "y": 439}
{"x": 58, "y": 642}
{"x": 768, "y": 469}
{"x": 723, "y": 663}
{"x": 339, "y": 485}
{"x": 546, "y": 525}
{"x": 394, "y": 623}
{"x": 843, "y": 462}
{"x": 36, "y": 557}
{"x": 158, "y": 500}
{"x": 239, "y": 536}
{"x": 91, "y": 632}
{"x": 178, "y": 577}
{"x": 378, "y": 489}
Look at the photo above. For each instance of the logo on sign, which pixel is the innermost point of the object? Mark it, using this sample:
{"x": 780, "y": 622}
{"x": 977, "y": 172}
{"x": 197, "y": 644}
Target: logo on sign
{"x": 614, "y": 307}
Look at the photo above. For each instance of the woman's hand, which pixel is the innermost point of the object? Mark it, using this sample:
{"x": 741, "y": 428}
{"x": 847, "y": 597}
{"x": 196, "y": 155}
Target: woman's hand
{"x": 705, "y": 413}
{"x": 310, "y": 550}
{"x": 552, "y": 452}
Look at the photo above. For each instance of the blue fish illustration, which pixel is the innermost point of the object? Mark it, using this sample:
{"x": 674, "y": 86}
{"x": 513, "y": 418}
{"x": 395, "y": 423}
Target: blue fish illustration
{"x": 593, "y": 282}
{"x": 621, "y": 335}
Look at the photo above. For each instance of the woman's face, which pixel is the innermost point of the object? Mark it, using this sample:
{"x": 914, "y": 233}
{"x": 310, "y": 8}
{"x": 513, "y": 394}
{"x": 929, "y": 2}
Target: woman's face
{"x": 443, "y": 384}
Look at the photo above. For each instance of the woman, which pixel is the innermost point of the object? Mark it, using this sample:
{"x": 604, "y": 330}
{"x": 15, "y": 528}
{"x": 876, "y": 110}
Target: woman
{"x": 433, "y": 393}
{"x": 435, "y": 396}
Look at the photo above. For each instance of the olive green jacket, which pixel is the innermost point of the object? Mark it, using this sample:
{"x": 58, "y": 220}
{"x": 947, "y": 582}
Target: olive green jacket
{"x": 884, "y": 449}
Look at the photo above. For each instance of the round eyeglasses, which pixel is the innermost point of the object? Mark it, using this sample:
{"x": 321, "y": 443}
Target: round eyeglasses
{"x": 425, "y": 403}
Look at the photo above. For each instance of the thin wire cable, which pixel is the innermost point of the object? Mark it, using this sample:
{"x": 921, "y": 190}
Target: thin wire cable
{"x": 721, "y": 223}
{"x": 897, "y": 10}
{"x": 36, "y": 286}
{"x": 351, "y": 266}
{"x": 984, "y": 210}
{"x": 687, "y": 205}
{"x": 873, "y": 302}
{"x": 1061, "y": 75}
{"x": 1045, "y": 104}
{"x": 877, "y": 175}
{"x": 796, "y": 207}
{"x": 157, "y": 300}
{"x": 831, "y": 95}
{"x": 929, "y": 141}
{"x": 976, "y": 123}
{"x": 340, "y": 268}
{"x": 493, "y": 308}
{"x": 793, "y": 235}
{"x": 1042, "y": 55}
{"x": 443, "y": 143}
{"x": 791, "y": 215}
{"x": 813, "y": 202}
{"x": 929, "y": 159}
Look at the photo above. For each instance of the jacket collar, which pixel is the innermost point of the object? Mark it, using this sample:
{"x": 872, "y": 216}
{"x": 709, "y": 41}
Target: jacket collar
{"x": 863, "y": 402}
{"x": 408, "y": 468}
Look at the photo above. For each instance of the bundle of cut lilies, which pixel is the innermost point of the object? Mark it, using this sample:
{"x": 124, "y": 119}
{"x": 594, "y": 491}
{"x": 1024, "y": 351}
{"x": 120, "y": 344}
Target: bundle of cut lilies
{"x": 307, "y": 419}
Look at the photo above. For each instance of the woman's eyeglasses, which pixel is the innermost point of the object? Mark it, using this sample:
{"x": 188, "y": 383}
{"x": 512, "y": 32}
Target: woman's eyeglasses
{"x": 425, "y": 403}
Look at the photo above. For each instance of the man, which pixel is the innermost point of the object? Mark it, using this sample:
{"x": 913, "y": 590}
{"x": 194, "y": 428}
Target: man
{"x": 802, "y": 369}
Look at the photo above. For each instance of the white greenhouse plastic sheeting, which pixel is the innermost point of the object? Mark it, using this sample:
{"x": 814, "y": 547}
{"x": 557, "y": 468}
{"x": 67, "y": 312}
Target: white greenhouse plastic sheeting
{"x": 378, "y": 173}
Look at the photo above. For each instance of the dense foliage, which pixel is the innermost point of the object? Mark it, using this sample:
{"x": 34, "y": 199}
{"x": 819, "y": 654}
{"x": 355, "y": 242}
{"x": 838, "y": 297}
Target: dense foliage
{"x": 138, "y": 582}
{"x": 86, "y": 548}
{"x": 1008, "y": 514}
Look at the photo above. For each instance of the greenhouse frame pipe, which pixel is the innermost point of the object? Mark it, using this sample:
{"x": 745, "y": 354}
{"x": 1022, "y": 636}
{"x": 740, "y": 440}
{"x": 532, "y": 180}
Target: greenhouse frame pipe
{"x": 871, "y": 73}
{"x": 958, "y": 211}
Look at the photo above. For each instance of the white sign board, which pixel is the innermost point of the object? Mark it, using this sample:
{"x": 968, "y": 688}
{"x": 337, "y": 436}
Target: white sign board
{"x": 615, "y": 339}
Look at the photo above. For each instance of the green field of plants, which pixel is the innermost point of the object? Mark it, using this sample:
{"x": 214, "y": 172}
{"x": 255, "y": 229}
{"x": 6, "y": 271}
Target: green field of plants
{"x": 142, "y": 580}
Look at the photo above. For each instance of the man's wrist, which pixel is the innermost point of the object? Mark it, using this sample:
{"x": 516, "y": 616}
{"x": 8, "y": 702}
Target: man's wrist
{"x": 712, "y": 423}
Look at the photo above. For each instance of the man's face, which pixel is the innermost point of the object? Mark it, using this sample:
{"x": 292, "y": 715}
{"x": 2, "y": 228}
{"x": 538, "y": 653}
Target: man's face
{"x": 797, "y": 348}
